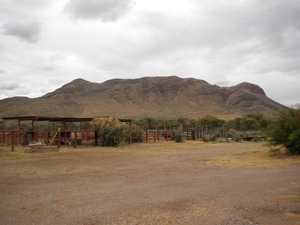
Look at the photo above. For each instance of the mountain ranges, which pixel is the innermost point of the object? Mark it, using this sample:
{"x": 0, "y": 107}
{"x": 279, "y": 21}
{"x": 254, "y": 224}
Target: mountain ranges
{"x": 156, "y": 97}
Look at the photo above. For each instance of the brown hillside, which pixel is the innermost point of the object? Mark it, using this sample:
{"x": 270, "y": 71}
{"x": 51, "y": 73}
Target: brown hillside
{"x": 157, "y": 97}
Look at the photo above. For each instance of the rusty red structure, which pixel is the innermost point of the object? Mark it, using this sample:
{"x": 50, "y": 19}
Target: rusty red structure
{"x": 65, "y": 135}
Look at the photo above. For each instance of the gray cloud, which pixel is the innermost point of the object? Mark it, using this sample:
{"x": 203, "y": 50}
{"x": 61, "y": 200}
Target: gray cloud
{"x": 222, "y": 42}
{"x": 28, "y": 31}
{"x": 229, "y": 33}
{"x": 220, "y": 25}
{"x": 105, "y": 10}
{"x": 9, "y": 85}
{"x": 22, "y": 9}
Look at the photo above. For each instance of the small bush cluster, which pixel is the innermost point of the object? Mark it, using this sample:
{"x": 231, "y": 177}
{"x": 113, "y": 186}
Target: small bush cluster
{"x": 235, "y": 135}
{"x": 177, "y": 135}
{"x": 208, "y": 137}
{"x": 138, "y": 134}
{"x": 111, "y": 131}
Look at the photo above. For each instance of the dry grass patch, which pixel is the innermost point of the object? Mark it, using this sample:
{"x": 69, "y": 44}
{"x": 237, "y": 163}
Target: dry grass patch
{"x": 6, "y": 154}
{"x": 292, "y": 199}
{"x": 258, "y": 156}
{"x": 160, "y": 147}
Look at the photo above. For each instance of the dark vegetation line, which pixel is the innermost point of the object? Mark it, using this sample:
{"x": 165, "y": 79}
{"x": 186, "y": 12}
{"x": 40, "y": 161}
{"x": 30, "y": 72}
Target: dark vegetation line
{"x": 283, "y": 131}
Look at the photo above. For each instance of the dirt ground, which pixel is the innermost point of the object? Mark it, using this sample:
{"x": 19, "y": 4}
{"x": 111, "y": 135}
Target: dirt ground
{"x": 155, "y": 183}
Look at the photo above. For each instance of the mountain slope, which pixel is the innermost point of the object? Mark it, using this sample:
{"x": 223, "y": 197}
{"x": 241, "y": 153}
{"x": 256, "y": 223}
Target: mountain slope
{"x": 158, "y": 97}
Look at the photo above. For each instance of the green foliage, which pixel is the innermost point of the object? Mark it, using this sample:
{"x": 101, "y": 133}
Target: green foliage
{"x": 72, "y": 126}
{"x": 211, "y": 122}
{"x": 150, "y": 123}
{"x": 249, "y": 123}
{"x": 234, "y": 135}
{"x": 261, "y": 121}
{"x": 138, "y": 134}
{"x": 286, "y": 130}
{"x": 182, "y": 120}
{"x": 234, "y": 124}
{"x": 192, "y": 122}
{"x": 85, "y": 126}
{"x": 214, "y": 127}
{"x": 206, "y": 138}
{"x": 25, "y": 127}
{"x": 147, "y": 122}
{"x": 56, "y": 125}
{"x": 111, "y": 131}
{"x": 177, "y": 135}
{"x": 43, "y": 126}
{"x": 214, "y": 137}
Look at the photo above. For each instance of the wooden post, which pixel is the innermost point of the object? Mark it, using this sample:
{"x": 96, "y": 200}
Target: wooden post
{"x": 87, "y": 138}
{"x": 19, "y": 134}
{"x": 58, "y": 140}
{"x": 167, "y": 135}
{"x": 130, "y": 130}
{"x": 3, "y": 137}
{"x": 12, "y": 141}
{"x": 46, "y": 139}
{"x": 35, "y": 134}
{"x": 75, "y": 139}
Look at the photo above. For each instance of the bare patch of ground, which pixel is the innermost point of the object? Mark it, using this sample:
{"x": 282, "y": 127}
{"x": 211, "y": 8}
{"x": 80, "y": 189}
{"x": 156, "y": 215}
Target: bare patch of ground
{"x": 154, "y": 183}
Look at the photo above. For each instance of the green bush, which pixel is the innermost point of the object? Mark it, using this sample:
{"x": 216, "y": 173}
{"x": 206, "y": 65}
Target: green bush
{"x": 234, "y": 135}
{"x": 177, "y": 135}
{"x": 138, "y": 134}
{"x": 213, "y": 137}
{"x": 206, "y": 138}
{"x": 286, "y": 130}
{"x": 111, "y": 131}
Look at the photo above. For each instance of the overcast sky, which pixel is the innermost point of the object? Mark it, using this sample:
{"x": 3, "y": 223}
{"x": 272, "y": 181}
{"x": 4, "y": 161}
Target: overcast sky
{"x": 45, "y": 44}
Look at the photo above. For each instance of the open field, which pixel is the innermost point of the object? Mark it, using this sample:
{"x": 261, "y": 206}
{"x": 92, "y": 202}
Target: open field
{"x": 156, "y": 183}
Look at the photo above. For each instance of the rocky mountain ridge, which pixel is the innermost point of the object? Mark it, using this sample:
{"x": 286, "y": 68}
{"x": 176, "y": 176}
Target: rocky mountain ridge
{"x": 157, "y": 97}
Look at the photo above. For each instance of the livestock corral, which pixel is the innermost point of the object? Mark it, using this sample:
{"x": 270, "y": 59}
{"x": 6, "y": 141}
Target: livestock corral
{"x": 55, "y": 131}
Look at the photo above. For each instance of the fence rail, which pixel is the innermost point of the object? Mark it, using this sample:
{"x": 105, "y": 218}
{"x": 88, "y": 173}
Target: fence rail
{"x": 63, "y": 137}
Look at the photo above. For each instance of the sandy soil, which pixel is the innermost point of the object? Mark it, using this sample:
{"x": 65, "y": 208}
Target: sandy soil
{"x": 155, "y": 183}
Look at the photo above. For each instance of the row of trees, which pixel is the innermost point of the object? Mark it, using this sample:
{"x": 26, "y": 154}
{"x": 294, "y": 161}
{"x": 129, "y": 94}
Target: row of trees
{"x": 112, "y": 131}
{"x": 249, "y": 122}
{"x": 245, "y": 123}
{"x": 282, "y": 131}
